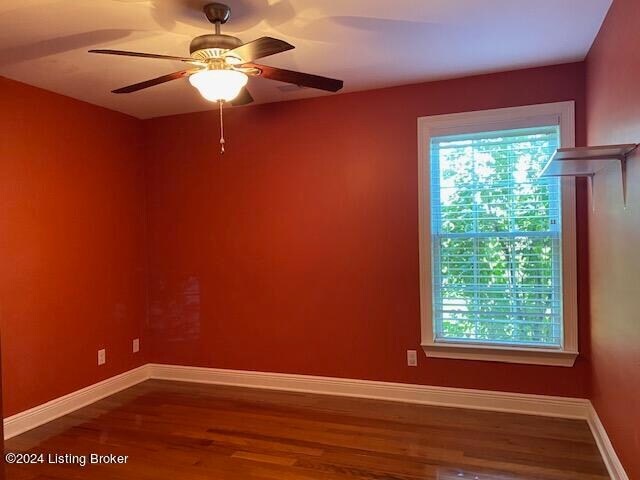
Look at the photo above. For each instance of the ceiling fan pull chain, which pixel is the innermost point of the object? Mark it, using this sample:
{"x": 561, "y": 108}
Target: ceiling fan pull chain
{"x": 221, "y": 131}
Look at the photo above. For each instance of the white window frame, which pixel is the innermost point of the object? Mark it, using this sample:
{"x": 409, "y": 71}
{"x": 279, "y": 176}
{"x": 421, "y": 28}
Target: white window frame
{"x": 560, "y": 113}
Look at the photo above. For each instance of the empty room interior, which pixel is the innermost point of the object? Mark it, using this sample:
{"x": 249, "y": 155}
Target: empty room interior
{"x": 320, "y": 240}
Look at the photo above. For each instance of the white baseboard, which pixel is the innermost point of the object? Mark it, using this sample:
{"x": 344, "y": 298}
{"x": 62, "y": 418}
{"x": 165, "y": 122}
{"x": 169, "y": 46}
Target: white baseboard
{"x": 609, "y": 456}
{"x": 36, "y": 416}
{"x": 563, "y": 407}
{"x": 401, "y": 392}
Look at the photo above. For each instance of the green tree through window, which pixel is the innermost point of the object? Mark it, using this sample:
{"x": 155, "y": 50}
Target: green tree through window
{"x": 496, "y": 238}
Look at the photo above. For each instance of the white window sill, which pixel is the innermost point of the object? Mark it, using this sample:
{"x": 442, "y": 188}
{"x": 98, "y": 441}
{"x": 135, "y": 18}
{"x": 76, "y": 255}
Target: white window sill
{"x": 492, "y": 353}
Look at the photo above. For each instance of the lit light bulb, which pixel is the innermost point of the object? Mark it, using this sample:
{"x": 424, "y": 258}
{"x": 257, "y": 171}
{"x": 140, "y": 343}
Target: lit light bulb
{"x": 219, "y": 85}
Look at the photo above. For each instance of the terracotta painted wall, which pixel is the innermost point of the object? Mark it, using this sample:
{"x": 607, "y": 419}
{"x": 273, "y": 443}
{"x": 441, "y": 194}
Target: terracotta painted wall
{"x": 72, "y": 243}
{"x": 613, "y": 69}
{"x": 2, "y": 472}
{"x": 297, "y": 251}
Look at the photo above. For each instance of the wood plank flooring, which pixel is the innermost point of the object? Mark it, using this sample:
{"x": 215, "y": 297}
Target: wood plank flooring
{"x": 184, "y": 431}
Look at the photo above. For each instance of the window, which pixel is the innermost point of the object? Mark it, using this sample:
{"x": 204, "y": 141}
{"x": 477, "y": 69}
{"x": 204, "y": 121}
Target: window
{"x": 497, "y": 242}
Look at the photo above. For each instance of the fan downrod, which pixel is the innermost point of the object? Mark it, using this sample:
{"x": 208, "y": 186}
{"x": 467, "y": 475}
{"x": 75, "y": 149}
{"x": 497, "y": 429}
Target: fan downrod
{"x": 217, "y": 13}
{"x": 208, "y": 46}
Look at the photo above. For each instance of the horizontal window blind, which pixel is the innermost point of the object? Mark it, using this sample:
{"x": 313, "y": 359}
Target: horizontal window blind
{"x": 496, "y": 238}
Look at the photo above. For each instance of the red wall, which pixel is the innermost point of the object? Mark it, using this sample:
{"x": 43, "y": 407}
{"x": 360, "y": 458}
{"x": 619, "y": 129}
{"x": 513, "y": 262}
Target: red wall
{"x": 2, "y": 475}
{"x": 71, "y": 249}
{"x": 297, "y": 251}
{"x": 613, "y": 69}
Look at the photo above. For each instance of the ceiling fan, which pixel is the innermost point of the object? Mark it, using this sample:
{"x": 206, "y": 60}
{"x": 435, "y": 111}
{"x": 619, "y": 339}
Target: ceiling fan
{"x": 221, "y": 64}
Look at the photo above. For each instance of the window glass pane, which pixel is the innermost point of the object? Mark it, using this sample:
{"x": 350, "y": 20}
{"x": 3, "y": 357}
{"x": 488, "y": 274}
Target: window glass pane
{"x": 496, "y": 238}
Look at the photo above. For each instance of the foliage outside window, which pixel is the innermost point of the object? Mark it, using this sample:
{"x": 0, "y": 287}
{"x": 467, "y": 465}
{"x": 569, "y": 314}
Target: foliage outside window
{"x": 496, "y": 238}
{"x": 497, "y": 241}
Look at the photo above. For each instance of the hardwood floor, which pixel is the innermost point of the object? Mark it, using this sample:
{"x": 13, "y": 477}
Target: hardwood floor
{"x": 183, "y": 431}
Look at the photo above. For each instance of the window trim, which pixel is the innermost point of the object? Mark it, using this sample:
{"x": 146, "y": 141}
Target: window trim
{"x": 499, "y": 119}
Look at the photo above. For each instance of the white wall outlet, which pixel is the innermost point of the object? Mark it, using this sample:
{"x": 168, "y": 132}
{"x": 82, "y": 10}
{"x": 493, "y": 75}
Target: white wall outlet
{"x": 136, "y": 345}
{"x": 412, "y": 358}
{"x": 102, "y": 357}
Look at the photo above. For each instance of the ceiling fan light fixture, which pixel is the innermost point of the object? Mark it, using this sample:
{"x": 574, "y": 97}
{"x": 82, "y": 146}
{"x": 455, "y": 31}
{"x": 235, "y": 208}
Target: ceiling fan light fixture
{"x": 233, "y": 60}
{"x": 219, "y": 85}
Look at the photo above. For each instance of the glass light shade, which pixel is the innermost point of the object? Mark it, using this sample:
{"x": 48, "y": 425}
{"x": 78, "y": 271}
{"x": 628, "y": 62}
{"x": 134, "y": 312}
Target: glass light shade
{"x": 219, "y": 85}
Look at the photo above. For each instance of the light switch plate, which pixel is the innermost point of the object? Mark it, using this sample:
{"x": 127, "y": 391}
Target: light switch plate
{"x": 136, "y": 345}
{"x": 412, "y": 358}
{"x": 102, "y": 356}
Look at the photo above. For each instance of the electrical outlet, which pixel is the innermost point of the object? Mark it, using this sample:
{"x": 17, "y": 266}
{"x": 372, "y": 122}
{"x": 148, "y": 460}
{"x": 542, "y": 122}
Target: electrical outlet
{"x": 102, "y": 357}
{"x": 136, "y": 345}
{"x": 412, "y": 358}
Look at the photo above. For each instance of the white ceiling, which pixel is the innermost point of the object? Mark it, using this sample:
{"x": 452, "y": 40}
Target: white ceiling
{"x": 367, "y": 43}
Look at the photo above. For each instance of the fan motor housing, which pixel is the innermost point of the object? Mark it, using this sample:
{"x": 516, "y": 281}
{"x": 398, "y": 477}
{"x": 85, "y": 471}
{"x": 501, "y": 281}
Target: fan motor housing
{"x": 209, "y": 46}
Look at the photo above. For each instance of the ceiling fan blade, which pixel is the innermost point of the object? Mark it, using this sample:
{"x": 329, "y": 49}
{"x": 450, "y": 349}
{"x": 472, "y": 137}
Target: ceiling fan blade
{"x": 156, "y": 81}
{"x": 297, "y": 78}
{"x": 243, "y": 98}
{"x": 149, "y": 55}
{"x": 262, "y": 47}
